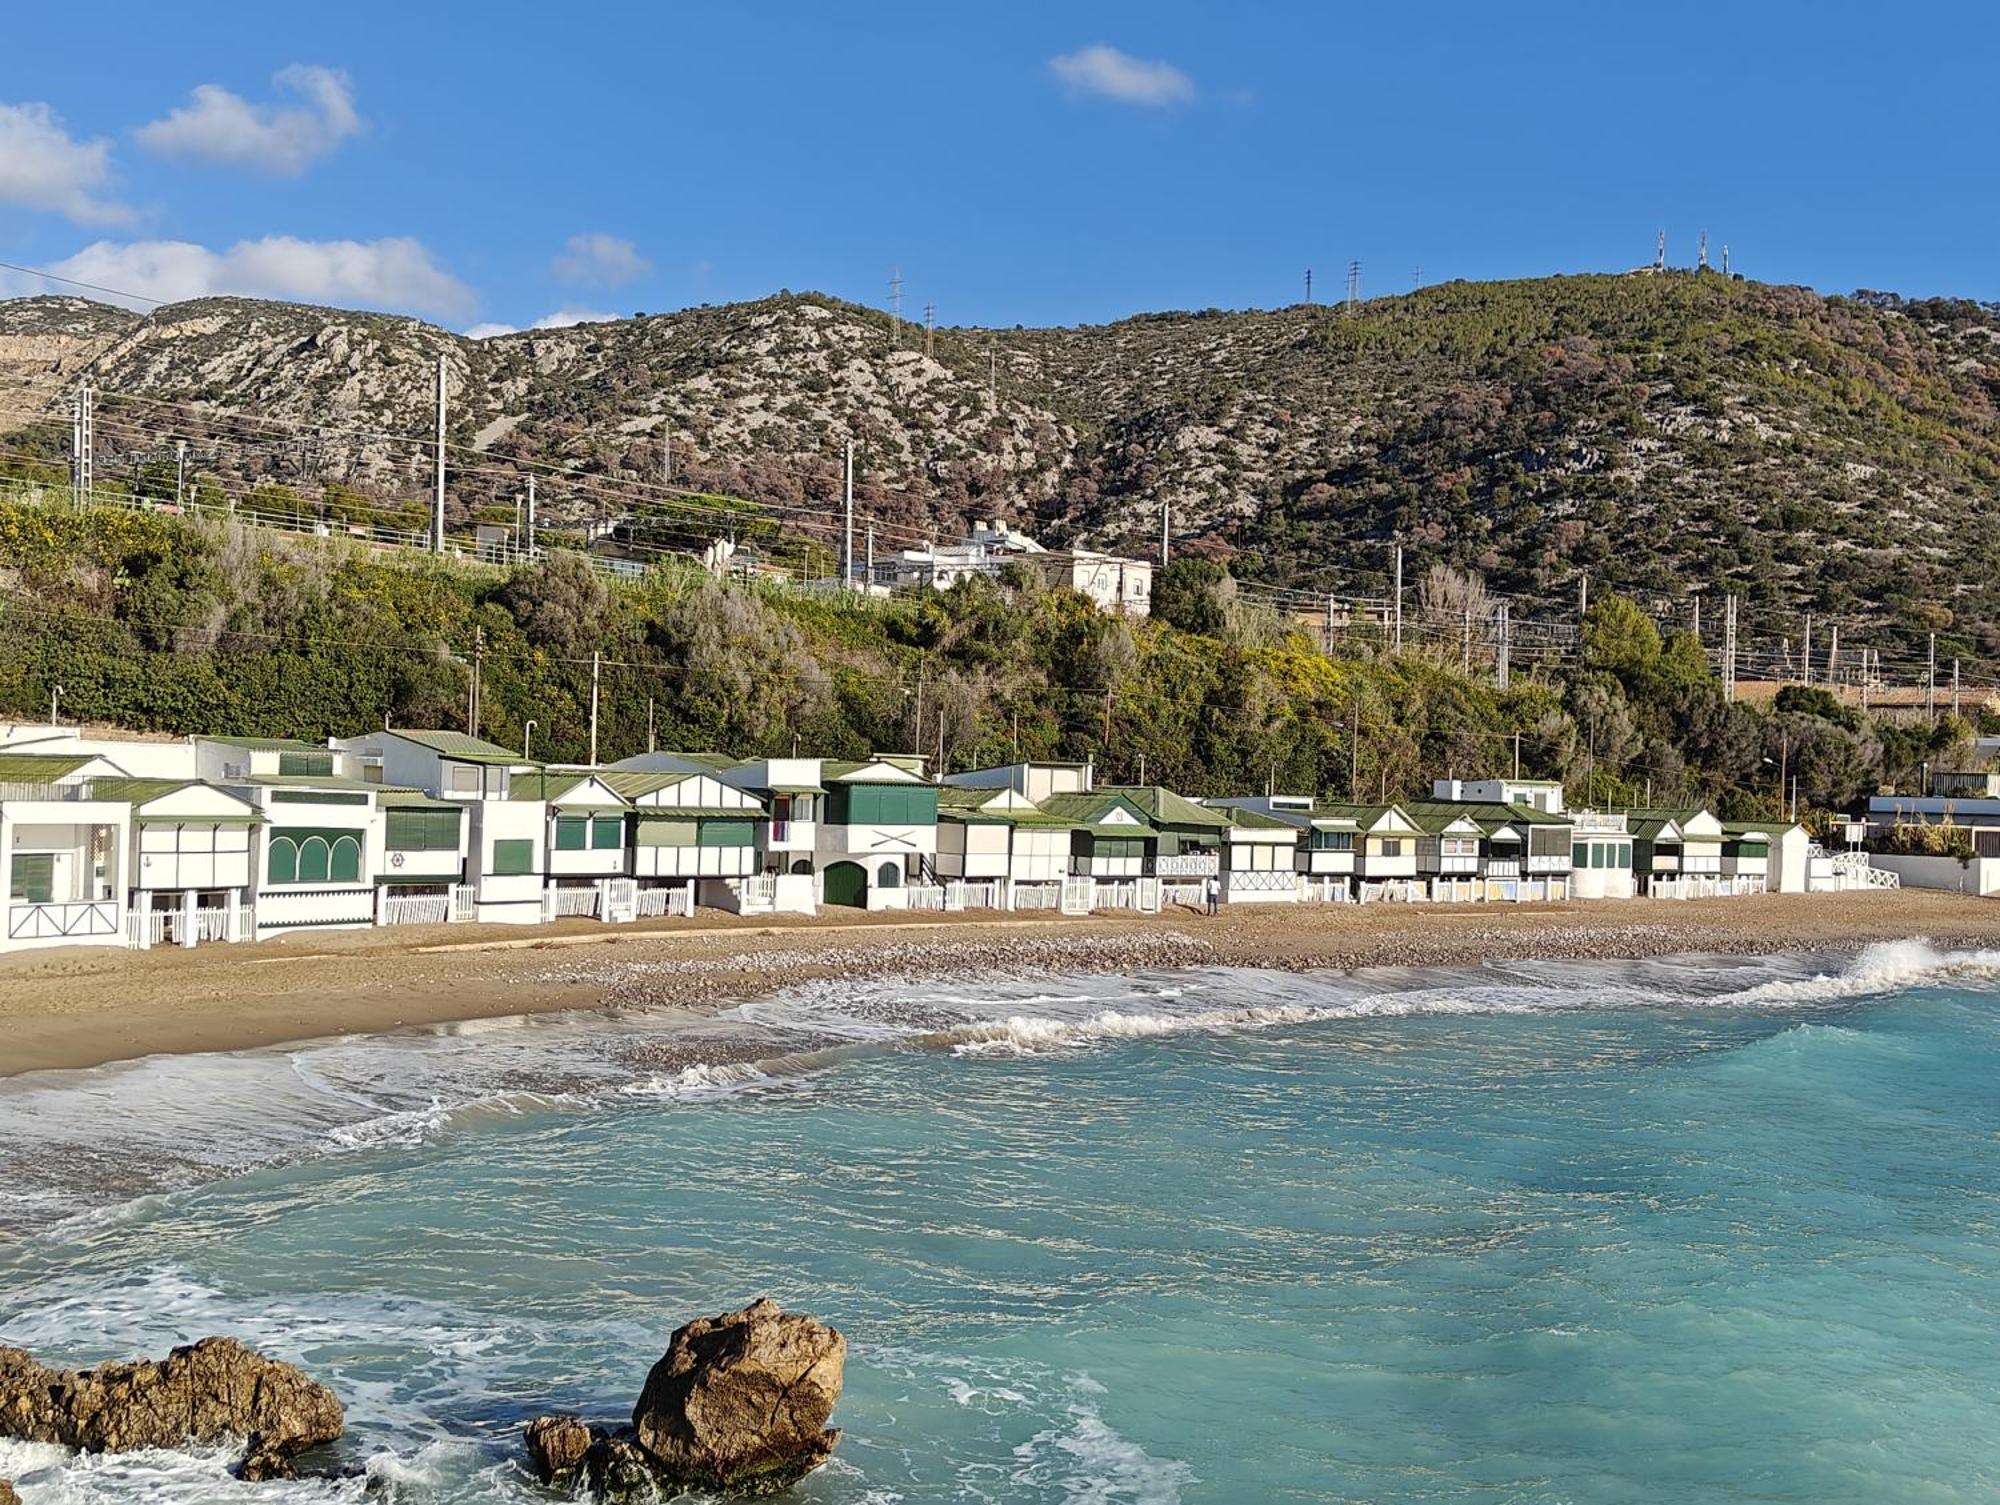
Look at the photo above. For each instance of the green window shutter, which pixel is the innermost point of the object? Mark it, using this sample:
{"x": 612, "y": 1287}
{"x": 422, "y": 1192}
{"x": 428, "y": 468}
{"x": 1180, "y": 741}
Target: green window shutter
{"x": 314, "y": 856}
{"x": 297, "y": 765}
{"x": 34, "y": 878}
{"x": 654, "y": 832}
{"x": 442, "y": 829}
{"x": 572, "y": 832}
{"x": 728, "y": 833}
{"x": 345, "y": 865}
{"x": 408, "y": 830}
{"x": 607, "y": 833}
{"x": 513, "y": 858}
{"x": 284, "y": 861}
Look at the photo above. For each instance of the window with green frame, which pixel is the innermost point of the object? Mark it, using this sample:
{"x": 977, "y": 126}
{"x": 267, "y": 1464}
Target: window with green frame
{"x": 513, "y": 857}
{"x": 1333, "y": 841}
{"x": 33, "y": 880}
{"x": 423, "y": 830}
{"x": 728, "y": 833}
{"x": 301, "y": 765}
{"x": 306, "y": 855}
{"x": 1117, "y": 847}
{"x": 572, "y": 833}
{"x": 607, "y": 833}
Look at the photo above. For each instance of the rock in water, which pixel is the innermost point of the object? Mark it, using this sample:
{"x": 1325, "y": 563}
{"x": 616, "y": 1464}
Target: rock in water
{"x": 206, "y": 1392}
{"x": 556, "y": 1447}
{"x": 740, "y": 1402}
{"x": 7, "y": 1495}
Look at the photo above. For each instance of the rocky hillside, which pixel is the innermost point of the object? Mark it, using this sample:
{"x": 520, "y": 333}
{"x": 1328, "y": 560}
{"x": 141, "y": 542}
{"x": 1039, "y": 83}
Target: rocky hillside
{"x": 1663, "y": 432}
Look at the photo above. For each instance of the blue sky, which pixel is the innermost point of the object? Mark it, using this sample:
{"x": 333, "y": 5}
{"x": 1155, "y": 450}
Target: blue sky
{"x": 1024, "y": 163}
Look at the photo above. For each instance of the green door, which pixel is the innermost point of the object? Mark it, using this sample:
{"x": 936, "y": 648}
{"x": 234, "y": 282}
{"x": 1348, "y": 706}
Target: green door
{"x": 846, "y": 884}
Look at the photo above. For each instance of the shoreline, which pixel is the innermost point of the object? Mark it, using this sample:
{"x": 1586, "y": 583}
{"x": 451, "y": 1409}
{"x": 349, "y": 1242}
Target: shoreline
{"x": 74, "y": 1009}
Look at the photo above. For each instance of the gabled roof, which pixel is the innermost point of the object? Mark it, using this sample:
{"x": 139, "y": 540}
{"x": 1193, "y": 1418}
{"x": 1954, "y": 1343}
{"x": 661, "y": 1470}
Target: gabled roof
{"x": 1754, "y": 830}
{"x": 1490, "y": 816}
{"x": 1165, "y": 808}
{"x": 568, "y": 789}
{"x": 874, "y": 771}
{"x": 1000, "y": 807}
{"x": 636, "y": 786}
{"x": 1679, "y": 819}
{"x": 1654, "y": 827}
{"x": 1091, "y": 812}
{"x": 460, "y": 746}
{"x": 1435, "y": 817}
{"x": 1334, "y": 815}
{"x": 139, "y": 793}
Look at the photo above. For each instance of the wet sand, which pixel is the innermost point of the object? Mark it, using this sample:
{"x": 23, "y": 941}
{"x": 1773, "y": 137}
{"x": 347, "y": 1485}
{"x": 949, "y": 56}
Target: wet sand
{"x": 82, "y": 1007}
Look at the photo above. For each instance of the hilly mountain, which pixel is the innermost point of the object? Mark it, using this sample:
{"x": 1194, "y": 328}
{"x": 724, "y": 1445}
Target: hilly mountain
{"x": 1664, "y": 433}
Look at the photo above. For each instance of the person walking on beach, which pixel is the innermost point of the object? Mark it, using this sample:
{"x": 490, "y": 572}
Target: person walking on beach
{"x": 1213, "y": 888}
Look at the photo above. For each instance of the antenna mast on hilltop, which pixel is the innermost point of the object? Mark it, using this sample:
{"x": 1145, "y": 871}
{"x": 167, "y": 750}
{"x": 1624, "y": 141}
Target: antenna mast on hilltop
{"x": 930, "y": 329}
{"x": 1725, "y": 258}
{"x": 896, "y": 305}
{"x": 1353, "y": 285}
{"x": 1309, "y": 284}
{"x": 1660, "y": 256}
{"x": 1701, "y": 263}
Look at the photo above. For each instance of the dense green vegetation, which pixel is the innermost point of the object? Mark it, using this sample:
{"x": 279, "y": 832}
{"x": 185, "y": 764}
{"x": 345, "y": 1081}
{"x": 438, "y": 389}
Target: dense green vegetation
{"x": 161, "y": 623}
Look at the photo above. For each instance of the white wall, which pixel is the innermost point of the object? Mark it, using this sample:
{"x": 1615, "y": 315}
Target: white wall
{"x": 514, "y": 899}
{"x": 1979, "y": 876}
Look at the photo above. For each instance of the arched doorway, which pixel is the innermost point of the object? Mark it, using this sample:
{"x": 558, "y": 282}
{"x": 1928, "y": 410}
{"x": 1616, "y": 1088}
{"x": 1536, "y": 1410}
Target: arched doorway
{"x": 846, "y": 883}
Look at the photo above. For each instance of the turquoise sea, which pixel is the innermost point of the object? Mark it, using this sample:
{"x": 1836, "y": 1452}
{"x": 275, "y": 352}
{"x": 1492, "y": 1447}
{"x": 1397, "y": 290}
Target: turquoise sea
{"x": 1561, "y": 1234}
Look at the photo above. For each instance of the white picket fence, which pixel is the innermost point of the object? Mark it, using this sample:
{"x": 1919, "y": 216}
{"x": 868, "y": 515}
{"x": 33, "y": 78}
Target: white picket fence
{"x": 569, "y": 903}
{"x": 416, "y": 909}
{"x": 665, "y": 903}
{"x": 924, "y": 896}
{"x": 1037, "y": 896}
{"x": 464, "y": 903}
{"x": 959, "y": 894}
{"x": 756, "y": 894}
{"x": 1079, "y": 895}
{"x": 1324, "y": 890}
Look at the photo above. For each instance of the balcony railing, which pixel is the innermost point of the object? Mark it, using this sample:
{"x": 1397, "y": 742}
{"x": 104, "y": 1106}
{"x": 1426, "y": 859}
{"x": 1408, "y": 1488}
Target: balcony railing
{"x": 1187, "y": 865}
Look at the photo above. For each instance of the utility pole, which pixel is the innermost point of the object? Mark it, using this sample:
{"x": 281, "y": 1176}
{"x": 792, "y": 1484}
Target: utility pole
{"x": 1930, "y": 683}
{"x": 868, "y": 580}
{"x": 930, "y": 330}
{"x": 180, "y": 472}
{"x": 667, "y": 455}
{"x": 1309, "y": 286}
{"x": 847, "y": 525}
{"x": 1805, "y": 657}
{"x": 1504, "y": 667}
{"x": 992, "y": 377}
{"x": 1697, "y": 616}
{"x": 531, "y": 516}
{"x": 478, "y": 666}
{"x": 1954, "y": 687}
{"x": 1399, "y": 598}
{"x": 1354, "y": 753}
{"x": 1582, "y": 598}
{"x": 1729, "y": 647}
{"x": 596, "y": 662}
{"x": 1517, "y": 755}
{"x": 1353, "y": 286}
{"x": 1465, "y": 650}
{"x": 896, "y": 310}
{"x": 82, "y": 444}
{"x": 1833, "y": 658}
{"x": 652, "y": 742}
{"x": 1166, "y": 530}
{"x": 437, "y": 503}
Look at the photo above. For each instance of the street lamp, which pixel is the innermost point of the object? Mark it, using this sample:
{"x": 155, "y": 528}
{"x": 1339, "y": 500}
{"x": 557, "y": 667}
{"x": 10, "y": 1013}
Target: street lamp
{"x": 527, "y": 741}
{"x": 55, "y": 695}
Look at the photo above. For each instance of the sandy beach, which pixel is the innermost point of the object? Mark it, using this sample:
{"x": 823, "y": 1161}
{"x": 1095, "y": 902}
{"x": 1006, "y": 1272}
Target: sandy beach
{"x": 77, "y": 1008}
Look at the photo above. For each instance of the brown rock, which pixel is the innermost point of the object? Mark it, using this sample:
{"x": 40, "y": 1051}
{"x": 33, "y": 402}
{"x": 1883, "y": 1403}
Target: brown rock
{"x": 7, "y": 1495}
{"x": 621, "y": 1472}
{"x": 740, "y": 1401}
{"x": 209, "y": 1391}
{"x": 556, "y": 1447}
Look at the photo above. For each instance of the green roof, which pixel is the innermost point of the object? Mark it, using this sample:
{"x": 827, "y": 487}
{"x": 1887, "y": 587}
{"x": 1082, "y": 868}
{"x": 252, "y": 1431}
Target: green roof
{"x": 844, "y": 772}
{"x": 41, "y": 768}
{"x": 1745, "y": 829}
{"x": 267, "y": 744}
{"x": 1165, "y": 808}
{"x": 1256, "y": 820}
{"x": 1495, "y": 811}
{"x": 413, "y": 799}
{"x": 552, "y": 784}
{"x": 460, "y": 746}
{"x": 971, "y": 807}
{"x": 1362, "y": 815}
{"x": 1089, "y": 810}
{"x": 302, "y": 781}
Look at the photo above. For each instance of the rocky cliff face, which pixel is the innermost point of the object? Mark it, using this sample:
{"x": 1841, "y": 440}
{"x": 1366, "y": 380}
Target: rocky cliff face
{"x": 1664, "y": 433}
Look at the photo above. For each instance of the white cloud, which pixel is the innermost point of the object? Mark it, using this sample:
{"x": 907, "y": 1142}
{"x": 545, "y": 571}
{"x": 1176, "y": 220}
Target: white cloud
{"x": 563, "y": 318}
{"x": 393, "y": 273}
{"x": 224, "y": 128}
{"x": 1110, "y": 74}
{"x": 43, "y": 167}
{"x": 602, "y": 260}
